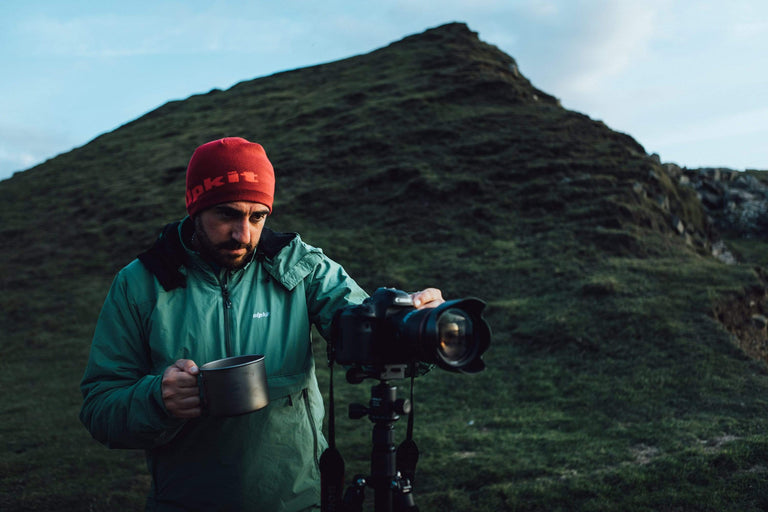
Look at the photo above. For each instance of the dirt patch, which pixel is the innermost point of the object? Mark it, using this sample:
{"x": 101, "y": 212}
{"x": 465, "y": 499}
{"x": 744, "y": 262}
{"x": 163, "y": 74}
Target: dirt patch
{"x": 745, "y": 315}
{"x": 644, "y": 454}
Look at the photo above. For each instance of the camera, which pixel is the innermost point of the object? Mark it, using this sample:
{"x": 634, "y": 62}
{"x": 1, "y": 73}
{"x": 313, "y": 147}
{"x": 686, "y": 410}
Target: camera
{"x": 386, "y": 337}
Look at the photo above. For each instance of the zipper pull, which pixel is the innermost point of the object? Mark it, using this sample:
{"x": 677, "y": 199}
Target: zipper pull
{"x": 225, "y": 294}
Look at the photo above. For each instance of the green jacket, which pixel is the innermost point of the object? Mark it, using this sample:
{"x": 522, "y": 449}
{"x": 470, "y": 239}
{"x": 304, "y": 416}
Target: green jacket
{"x": 264, "y": 460}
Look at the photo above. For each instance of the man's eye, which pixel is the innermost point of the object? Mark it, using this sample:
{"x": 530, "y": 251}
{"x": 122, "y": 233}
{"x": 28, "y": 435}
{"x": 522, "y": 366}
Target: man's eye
{"x": 258, "y": 217}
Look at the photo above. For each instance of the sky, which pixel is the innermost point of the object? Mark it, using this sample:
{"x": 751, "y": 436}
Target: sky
{"x": 687, "y": 79}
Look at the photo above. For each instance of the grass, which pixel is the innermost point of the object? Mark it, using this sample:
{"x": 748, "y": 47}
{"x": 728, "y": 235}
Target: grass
{"x": 580, "y": 410}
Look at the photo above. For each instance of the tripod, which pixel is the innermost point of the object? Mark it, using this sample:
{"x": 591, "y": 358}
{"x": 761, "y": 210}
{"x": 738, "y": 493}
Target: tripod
{"x": 392, "y": 490}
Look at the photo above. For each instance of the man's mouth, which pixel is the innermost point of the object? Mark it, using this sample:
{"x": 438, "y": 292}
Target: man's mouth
{"x": 233, "y": 250}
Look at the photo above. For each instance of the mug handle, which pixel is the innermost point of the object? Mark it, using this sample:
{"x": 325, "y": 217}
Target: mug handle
{"x": 203, "y": 397}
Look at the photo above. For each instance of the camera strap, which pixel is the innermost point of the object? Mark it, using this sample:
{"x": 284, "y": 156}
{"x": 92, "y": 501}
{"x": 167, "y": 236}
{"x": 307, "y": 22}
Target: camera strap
{"x": 408, "y": 453}
{"x": 331, "y": 461}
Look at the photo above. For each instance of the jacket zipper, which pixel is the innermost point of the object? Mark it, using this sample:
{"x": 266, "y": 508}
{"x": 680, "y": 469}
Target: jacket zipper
{"x": 305, "y": 395}
{"x": 227, "y": 313}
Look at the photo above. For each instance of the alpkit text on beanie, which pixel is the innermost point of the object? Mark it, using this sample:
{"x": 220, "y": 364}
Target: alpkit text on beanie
{"x": 228, "y": 170}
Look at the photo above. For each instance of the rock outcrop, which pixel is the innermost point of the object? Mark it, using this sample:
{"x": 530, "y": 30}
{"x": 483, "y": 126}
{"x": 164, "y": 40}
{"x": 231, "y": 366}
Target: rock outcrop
{"x": 736, "y": 201}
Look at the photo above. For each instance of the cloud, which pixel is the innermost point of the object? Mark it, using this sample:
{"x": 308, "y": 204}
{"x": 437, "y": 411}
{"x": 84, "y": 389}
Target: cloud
{"x": 88, "y": 36}
{"x": 22, "y": 147}
{"x": 13, "y": 160}
{"x": 270, "y": 30}
{"x": 738, "y": 124}
{"x": 600, "y": 40}
{"x": 110, "y": 35}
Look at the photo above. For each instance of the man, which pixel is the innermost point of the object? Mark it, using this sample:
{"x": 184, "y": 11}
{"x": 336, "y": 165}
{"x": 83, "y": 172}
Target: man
{"x": 214, "y": 285}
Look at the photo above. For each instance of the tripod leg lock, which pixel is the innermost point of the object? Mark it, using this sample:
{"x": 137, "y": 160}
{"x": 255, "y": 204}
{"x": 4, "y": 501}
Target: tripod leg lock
{"x": 355, "y": 495}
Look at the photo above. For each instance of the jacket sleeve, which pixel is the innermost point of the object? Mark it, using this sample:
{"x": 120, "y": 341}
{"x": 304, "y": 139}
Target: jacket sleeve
{"x": 330, "y": 288}
{"x": 122, "y": 401}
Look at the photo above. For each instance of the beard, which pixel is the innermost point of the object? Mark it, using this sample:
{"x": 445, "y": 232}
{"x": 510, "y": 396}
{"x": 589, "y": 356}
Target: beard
{"x": 217, "y": 254}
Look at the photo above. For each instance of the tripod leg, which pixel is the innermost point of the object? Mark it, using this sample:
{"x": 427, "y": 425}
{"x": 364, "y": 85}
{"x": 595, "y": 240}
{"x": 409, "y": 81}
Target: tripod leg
{"x": 331, "y": 479}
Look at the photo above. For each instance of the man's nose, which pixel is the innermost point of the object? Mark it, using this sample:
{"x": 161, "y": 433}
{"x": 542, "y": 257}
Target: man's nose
{"x": 241, "y": 232}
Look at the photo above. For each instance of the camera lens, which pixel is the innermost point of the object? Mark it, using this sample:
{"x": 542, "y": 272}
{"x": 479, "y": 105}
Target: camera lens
{"x": 454, "y": 331}
{"x": 386, "y": 331}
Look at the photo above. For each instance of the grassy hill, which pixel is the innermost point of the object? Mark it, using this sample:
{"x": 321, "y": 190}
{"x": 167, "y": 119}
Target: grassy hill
{"x": 611, "y": 384}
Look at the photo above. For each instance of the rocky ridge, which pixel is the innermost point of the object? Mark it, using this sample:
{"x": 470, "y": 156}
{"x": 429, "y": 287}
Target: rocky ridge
{"x": 737, "y": 202}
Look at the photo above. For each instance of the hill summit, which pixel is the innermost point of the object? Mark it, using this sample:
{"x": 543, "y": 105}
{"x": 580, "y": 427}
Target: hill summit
{"x": 431, "y": 161}
{"x": 439, "y": 123}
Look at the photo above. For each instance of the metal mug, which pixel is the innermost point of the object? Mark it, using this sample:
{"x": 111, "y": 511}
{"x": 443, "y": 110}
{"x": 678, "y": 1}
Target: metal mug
{"x": 233, "y": 385}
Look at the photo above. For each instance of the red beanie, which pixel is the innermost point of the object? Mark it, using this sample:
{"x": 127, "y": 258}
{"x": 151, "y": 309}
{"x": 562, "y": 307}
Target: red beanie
{"x": 227, "y": 170}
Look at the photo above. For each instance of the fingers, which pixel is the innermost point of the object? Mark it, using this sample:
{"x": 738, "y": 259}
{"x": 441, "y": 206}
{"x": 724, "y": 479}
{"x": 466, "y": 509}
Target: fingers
{"x": 428, "y": 298}
{"x": 187, "y": 365}
{"x": 181, "y": 395}
{"x": 185, "y": 407}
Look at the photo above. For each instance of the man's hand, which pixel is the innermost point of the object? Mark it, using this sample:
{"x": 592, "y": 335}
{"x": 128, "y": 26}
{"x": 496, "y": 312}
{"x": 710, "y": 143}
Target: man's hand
{"x": 181, "y": 395}
{"x": 429, "y": 298}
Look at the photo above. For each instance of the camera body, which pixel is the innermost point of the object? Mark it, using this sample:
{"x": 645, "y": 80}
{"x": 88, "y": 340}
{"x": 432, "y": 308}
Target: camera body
{"x": 386, "y": 331}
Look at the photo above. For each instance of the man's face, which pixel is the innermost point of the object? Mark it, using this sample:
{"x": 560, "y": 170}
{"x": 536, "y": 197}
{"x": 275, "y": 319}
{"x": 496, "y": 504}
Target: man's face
{"x": 228, "y": 233}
